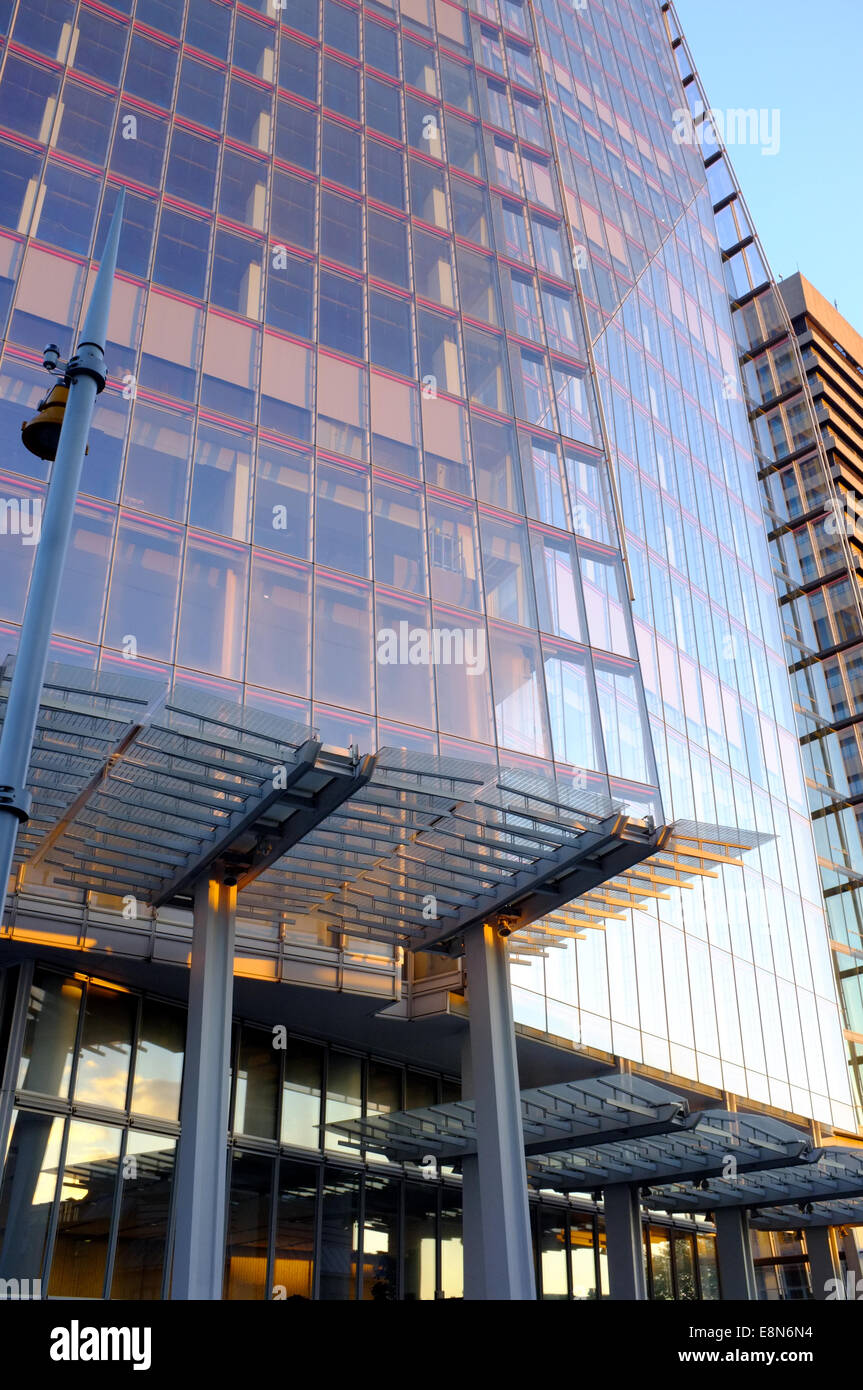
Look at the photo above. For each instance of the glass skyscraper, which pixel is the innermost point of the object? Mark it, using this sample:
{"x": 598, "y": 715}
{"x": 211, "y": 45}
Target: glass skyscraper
{"x": 423, "y": 332}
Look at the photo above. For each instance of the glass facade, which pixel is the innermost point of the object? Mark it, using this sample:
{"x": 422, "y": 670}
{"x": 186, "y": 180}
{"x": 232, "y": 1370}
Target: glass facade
{"x": 86, "y": 1192}
{"x": 421, "y": 327}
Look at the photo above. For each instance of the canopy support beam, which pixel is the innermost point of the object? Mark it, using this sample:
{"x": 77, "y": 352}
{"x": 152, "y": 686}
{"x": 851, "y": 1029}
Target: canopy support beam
{"x": 202, "y": 1161}
{"x": 734, "y": 1252}
{"x": 624, "y": 1242}
{"x": 498, "y": 1247}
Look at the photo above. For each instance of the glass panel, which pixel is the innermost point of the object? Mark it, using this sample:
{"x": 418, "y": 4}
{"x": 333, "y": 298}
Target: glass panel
{"x": 506, "y": 570}
{"x": 684, "y": 1267}
{"x": 144, "y": 586}
{"x": 558, "y": 587}
{"x": 344, "y": 1093}
{"x": 142, "y": 1229}
{"x": 519, "y": 692}
{"x": 553, "y": 1254}
{"x": 581, "y": 1259}
{"x": 294, "y": 1255}
{"x": 257, "y": 1089}
{"x": 344, "y": 651}
{"x": 49, "y": 1035}
{"x": 606, "y": 601}
{"x": 420, "y": 1256}
{"x": 399, "y": 542}
{"x": 159, "y": 1060}
{"x": 463, "y": 687}
{"x": 380, "y": 1240}
{"x": 707, "y": 1267}
{"x": 106, "y": 1047}
{"x": 406, "y": 656}
{"x": 339, "y": 1235}
{"x": 86, "y": 1201}
{"x": 248, "y": 1227}
{"x": 342, "y": 533}
{"x": 301, "y": 1094}
{"x": 280, "y": 625}
{"x": 454, "y": 553}
{"x": 660, "y": 1264}
{"x": 157, "y": 464}
{"x": 451, "y": 1259}
{"x": 221, "y": 482}
{"x": 211, "y": 622}
{"x": 571, "y": 701}
{"x": 27, "y": 1195}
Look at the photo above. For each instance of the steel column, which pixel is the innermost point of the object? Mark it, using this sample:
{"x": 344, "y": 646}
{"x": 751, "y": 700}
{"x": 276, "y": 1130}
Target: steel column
{"x": 824, "y": 1276}
{"x": 474, "y": 1282}
{"x": 498, "y": 1247}
{"x": 734, "y": 1253}
{"x": 199, "y": 1241}
{"x": 624, "y": 1242}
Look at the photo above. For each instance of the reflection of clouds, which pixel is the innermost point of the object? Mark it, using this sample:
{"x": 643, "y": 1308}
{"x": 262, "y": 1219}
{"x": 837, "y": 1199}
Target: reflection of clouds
{"x": 98, "y": 1085}
{"x": 156, "y": 1095}
{"x": 87, "y": 1144}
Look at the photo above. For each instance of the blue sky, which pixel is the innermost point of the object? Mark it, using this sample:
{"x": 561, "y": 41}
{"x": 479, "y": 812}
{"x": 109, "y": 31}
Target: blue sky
{"x": 806, "y": 59}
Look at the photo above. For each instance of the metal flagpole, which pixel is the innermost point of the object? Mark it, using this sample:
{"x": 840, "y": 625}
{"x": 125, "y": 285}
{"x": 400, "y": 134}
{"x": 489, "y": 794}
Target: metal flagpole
{"x": 85, "y": 377}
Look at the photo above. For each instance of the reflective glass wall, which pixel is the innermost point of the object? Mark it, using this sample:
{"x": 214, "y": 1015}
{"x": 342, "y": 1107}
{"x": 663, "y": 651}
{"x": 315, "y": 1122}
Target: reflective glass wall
{"x": 731, "y": 980}
{"x": 399, "y": 283}
{"x": 86, "y": 1188}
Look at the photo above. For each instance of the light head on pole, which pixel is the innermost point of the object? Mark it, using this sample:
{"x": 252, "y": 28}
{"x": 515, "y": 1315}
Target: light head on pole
{"x": 41, "y": 435}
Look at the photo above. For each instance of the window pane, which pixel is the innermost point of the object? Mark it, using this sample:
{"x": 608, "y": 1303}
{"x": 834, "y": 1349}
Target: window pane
{"x": 86, "y": 1200}
{"x": 159, "y": 1061}
{"x": 144, "y": 586}
{"x": 344, "y": 1092}
{"x": 49, "y": 1036}
{"x": 29, "y": 1183}
{"x": 294, "y": 1256}
{"x": 106, "y": 1047}
{"x": 454, "y": 554}
{"x": 519, "y": 692}
{"x": 248, "y": 1227}
{"x": 142, "y": 1229}
{"x": 343, "y": 643}
{"x": 399, "y": 543}
{"x": 571, "y": 701}
{"x": 283, "y": 500}
{"x": 380, "y": 1240}
{"x": 301, "y": 1094}
{"x": 339, "y": 1232}
{"x": 211, "y": 622}
{"x": 342, "y": 519}
{"x": 420, "y": 1274}
{"x": 157, "y": 463}
{"x": 257, "y": 1085}
{"x": 279, "y": 625}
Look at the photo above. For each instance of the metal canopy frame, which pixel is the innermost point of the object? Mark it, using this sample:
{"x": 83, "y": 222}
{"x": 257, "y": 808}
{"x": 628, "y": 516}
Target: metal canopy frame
{"x": 553, "y": 1118}
{"x": 623, "y": 1130}
{"x": 137, "y": 790}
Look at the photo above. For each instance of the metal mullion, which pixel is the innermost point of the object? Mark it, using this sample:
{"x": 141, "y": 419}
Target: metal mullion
{"x": 13, "y": 1055}
{"x": 274, "y": 1210}
{"x": 54, "y": 1218}
{"x": 317, "y": 1238}
{"x": 116, "y": 1205}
